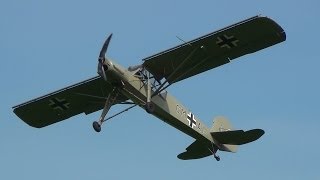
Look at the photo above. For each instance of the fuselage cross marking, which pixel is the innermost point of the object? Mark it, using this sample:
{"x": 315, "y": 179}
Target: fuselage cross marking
{"x": 192, "y": 121}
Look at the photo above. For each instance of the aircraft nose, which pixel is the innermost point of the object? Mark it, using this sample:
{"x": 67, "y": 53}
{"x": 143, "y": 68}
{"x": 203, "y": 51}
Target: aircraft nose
{"x": 105, "y": 67}
{"x": 108, "y": 63}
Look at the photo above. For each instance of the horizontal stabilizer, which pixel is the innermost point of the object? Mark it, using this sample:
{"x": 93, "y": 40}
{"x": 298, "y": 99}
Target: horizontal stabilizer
{"x": 195, "y": 151}
{"x": 237, "y": 137}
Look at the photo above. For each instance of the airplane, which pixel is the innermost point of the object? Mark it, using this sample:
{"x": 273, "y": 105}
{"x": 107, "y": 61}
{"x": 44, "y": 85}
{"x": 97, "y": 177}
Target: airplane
{"x": 145, "y": 85}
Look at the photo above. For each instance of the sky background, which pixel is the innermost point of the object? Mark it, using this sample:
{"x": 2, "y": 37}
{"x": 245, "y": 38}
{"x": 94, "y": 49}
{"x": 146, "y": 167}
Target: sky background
{"x": 47, "y": 45}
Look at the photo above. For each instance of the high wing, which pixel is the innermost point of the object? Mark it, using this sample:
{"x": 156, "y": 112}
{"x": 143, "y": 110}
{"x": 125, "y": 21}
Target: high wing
{"x": 214, "y": 49}
{"x": 84, "y": 97}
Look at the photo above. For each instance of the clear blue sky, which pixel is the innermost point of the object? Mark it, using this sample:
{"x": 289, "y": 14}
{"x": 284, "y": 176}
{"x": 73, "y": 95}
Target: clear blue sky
{"x": 47, "y": 45}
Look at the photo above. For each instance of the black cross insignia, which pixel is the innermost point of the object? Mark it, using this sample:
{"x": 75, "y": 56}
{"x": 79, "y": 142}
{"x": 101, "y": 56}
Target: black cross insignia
{"x": 227, "y": 41}
{"x": 60, "y": 104}
{"x": 192, "y": 120}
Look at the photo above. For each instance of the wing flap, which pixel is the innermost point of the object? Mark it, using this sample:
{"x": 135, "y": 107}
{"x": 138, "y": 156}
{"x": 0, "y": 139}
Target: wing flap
{"x": 215, "y": 49}
{"x": 84, "y": 97}
{"x": 237, "y": 137}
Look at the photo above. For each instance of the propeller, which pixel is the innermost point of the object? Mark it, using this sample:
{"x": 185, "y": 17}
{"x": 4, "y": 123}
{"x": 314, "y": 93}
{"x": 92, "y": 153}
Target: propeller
{"x": 102, "y": 57}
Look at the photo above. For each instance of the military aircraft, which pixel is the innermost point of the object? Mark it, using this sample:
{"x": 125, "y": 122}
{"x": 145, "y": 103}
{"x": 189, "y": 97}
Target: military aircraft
{"x": 145, "y": 85}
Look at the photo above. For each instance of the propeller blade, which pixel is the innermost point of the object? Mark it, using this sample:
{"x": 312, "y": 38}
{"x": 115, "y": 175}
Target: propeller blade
{"x": 103, "y": 73}
{"x": 105, "y": 47}
{"x": 101, "y": 70}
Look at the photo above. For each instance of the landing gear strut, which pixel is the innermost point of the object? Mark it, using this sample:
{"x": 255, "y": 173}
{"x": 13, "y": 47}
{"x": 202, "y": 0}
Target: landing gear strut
{"x": 214, "y": 152}
{"x": 109, "y": 102}
{"x": 149, "y": 105}
{"x": 216, "y": 157}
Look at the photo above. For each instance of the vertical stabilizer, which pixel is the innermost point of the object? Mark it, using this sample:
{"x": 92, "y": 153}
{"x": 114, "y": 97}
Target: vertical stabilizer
{"x": 222, "y": 124}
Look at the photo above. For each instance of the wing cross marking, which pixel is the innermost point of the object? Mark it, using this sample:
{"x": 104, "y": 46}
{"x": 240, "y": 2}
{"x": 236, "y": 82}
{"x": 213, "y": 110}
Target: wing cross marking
{"x": 227, "y": 41}
{"x": 59, "y": 104}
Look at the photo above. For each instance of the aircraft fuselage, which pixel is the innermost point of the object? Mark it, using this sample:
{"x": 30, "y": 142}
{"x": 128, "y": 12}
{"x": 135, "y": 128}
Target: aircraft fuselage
{"x": 166, "y": 107}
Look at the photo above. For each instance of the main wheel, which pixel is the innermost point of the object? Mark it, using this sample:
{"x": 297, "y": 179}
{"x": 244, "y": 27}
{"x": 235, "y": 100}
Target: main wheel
{"x": 96, "y": 126}
{"x": 150, "y": 107}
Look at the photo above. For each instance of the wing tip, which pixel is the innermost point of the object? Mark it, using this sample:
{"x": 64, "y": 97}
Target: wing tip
{"x": 256, "y": 133}
{"x": 18, "y": 112}
{"x": 280, "y": 31}
{"x": 181, "y": 156}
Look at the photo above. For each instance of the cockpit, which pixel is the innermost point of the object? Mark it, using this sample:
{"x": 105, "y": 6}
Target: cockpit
{"x": 144, "y": 75}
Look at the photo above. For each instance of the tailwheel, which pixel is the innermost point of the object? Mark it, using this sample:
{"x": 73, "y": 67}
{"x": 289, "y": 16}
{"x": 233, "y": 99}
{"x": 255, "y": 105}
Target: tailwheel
{"x": 96, "y": 126}
{"x": 216, "y": 157}
{"x": 214, "y": 152}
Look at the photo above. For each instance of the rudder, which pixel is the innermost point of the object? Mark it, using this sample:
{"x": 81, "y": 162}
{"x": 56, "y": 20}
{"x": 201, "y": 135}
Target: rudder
{"x": 228, "y": 139}
{"x": 221, "y": 124}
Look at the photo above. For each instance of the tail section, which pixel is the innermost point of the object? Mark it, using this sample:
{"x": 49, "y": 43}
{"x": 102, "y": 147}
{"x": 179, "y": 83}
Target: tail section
{"x": 228, "y": 139}
{"x": 225, "y": 138}
{"x": 222, "y": 124}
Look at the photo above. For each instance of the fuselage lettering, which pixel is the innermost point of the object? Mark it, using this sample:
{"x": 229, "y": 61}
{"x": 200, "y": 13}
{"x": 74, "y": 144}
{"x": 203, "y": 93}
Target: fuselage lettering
{"x": 180, "y": 111}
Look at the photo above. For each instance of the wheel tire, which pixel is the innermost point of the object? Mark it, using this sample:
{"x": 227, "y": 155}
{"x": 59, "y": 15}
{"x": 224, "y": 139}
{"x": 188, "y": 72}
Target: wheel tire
{"x": 150, "y": 107}
{"x": 218, "y": 158}
{"x": 96, "y": 126}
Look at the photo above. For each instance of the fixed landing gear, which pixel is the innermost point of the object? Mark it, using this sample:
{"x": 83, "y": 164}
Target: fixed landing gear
{"x": 109, "y": 102}
{"x": 216, "y": 157}
{"x": 149, "y": 107}
{"x": 97, "y": 126}
{"x": 214, "y": 151}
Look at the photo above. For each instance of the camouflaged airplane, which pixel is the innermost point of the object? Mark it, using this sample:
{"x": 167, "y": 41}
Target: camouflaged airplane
{"x": 145, "y": 85}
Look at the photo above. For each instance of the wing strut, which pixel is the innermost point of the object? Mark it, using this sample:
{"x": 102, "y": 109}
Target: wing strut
{"x": 162, "y": 86}
{"x": 149, "y": 88}
{"x": 189, "y": 70}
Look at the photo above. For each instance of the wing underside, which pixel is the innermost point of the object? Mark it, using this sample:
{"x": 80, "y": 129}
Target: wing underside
{"x": 84, "y": 97}
{"x": 214, "y": 49}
